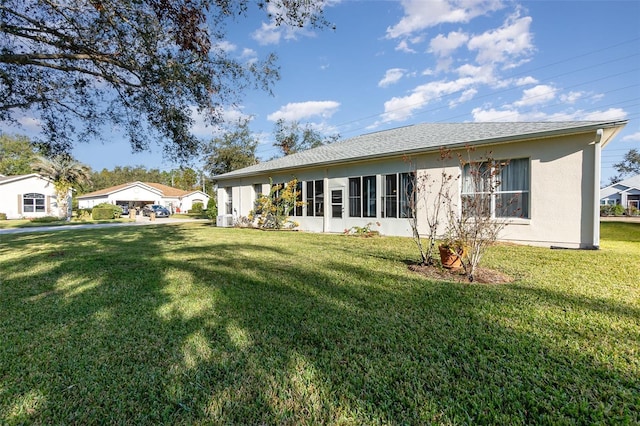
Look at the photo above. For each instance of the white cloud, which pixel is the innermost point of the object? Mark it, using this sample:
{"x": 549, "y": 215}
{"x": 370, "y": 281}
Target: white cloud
{"x": 226, "y": 46}
{"x": 420, "y": 14}
{"x": 512, "y": 40}
{"x": 466, "y": 96}
{"x": 442, "y": 45}
{"x": 401, "y": 108}
{"x": 634, "y": 137}
{"x": 391, "y": 76}
{"x": 610, "y": 114}
{"x": 525, "y": 81}
{"x": 537, "y": 95}
{"x": 301, "y": 110}
{"x": 572, "y": 97}
{"x": 249, "y": 54}
{"x": 403, "y": 46}
{"x": 511, "y": 114}
{"x": 268, "y": 33}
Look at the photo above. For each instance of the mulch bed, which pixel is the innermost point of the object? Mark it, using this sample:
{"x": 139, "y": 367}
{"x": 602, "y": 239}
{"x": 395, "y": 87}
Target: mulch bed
{"x": 482, "y": 275}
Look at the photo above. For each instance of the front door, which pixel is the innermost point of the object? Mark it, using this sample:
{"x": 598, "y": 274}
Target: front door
{"x": 336, "y": 213}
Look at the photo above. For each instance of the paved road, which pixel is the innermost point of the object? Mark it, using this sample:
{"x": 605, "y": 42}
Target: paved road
{"x": 140, "y": 220}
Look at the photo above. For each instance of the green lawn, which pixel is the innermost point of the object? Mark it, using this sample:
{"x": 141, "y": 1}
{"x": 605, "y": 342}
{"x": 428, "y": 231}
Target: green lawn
{"x": 192, "y": 324}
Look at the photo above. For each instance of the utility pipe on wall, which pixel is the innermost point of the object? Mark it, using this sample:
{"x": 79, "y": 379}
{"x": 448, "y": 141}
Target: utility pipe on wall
{"x": 597, "y": 151}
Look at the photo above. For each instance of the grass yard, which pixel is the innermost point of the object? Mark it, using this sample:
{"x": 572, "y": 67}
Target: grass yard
{"x": 191, "y": 324}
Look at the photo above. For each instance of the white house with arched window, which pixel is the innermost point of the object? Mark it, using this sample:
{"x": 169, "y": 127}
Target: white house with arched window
{"x": 28, "y": 196}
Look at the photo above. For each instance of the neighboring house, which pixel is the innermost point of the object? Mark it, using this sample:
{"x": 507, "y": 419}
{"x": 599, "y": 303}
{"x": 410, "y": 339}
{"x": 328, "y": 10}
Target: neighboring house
{"x": 28, "y": 196}
{"x": 626, "y": 193}
{"x": 137, "y": 194}
{"x": 554, "y": 169}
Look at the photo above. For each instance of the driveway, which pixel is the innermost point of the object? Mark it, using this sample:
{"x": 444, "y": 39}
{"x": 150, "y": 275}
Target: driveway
{"x": 140, "y": 221}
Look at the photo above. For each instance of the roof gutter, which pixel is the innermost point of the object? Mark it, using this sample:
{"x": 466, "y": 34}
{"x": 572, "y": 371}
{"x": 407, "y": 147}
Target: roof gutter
{"x": 459, "y": 145}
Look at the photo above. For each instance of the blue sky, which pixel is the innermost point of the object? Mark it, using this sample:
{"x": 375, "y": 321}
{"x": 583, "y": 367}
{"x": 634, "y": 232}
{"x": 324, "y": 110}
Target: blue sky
{"x": 394, "y": 63}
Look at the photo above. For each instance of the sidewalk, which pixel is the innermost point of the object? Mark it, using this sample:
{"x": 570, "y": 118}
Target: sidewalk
{"x": 140, "y": 220}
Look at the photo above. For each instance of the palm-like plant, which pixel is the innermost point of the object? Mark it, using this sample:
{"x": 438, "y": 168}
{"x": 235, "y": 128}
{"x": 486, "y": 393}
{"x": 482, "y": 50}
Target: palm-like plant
{"x": 66, "y": 173}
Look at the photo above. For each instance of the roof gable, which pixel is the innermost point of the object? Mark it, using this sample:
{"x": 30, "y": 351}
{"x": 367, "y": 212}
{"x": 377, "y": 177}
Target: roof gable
{"x": 9, "y": 179}
{"x": 158, "y": 188}
{"x": 420, "y": 138}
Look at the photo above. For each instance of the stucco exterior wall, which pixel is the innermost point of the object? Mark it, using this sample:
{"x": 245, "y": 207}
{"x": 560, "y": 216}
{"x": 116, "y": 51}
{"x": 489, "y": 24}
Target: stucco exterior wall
{"x": 136, "y": 194}
{"x": 563, "y": 184}
{"x": 11, "y": 197}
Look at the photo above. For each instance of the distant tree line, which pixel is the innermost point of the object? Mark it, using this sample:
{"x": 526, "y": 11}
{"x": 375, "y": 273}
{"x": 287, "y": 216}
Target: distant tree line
{"x": 233, "y": 149}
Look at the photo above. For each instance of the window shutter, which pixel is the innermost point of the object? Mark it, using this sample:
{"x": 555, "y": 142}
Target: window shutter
{"x": 20, "y": 204}
{"x": 48, "y": 206}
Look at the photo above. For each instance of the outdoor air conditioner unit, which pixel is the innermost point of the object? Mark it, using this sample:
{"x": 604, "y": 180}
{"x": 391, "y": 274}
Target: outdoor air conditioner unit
{"x": 224, "y": 221}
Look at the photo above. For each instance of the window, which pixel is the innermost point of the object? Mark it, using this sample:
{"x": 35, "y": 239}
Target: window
{"x": 33, "y": 203}
{"x": 390, "y": 196}
{"x": 362, "y": 196}
{"x": 398, "y": 195}
{"x": 297, "y": 211}
{"x": 315, "y": 198}
{"x": 257, "y": 190}
{"x": 511, "y": 195}
{"x": 229, "y": 201}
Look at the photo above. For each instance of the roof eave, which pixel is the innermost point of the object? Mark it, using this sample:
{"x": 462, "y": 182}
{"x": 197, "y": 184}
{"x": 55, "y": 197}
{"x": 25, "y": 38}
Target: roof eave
{"x": 491, "y": 141}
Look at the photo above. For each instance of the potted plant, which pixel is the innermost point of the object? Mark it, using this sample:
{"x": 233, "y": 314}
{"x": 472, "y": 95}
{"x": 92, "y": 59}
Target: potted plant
{"x": 451, "y": 254}
{"x": 452, "y": 249}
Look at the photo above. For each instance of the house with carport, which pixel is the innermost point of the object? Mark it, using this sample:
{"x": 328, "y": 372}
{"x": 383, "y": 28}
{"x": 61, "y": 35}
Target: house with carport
{"x": 552, "y": 169}
{"x": 137, "y": 194}
{"x": 29, "y": 196}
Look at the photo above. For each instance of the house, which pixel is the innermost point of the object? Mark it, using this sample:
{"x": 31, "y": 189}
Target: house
{"x": 29, "y": 196}
{"x": 137, "y": 194}
{"x": 554, "y": 169}
{"x": 626, "y": 193}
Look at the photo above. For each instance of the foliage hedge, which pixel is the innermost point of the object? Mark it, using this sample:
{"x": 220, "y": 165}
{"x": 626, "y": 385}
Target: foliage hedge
{"x": 3, "y": 216}
{"x": 102, "y": 213}
{"x": 197, "y": 208}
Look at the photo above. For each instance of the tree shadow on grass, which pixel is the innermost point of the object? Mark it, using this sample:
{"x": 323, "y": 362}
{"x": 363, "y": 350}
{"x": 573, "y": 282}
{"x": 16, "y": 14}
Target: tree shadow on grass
{"x": 180, "y": 325}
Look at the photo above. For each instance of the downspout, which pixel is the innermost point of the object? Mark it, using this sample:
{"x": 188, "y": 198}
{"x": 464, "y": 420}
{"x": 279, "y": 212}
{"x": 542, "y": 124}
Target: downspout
{"x": 597, "y": 151}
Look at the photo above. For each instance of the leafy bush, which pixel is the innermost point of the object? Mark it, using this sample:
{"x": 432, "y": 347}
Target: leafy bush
{"x": 212, "y": 209}
{"x": 45, "y": 219}
{"x": 116, "y": 211}
{"x": 102, "y": 213}
{"x": 3, "y": 216}
{"x": 272, "y": 211}
{"x": 612, "y": 210}
{"x": 617, "y": 210}
{"x": 197, "y": 208}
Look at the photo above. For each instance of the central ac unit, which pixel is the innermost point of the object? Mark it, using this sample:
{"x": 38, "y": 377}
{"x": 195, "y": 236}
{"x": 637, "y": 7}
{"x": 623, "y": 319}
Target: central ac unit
{"x": 224, "y": 221}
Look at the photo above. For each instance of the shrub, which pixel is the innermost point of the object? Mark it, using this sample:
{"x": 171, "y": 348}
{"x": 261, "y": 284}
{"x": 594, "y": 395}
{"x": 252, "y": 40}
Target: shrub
{"x": 45, "y": 219}
{"x": 197, "y": 208}
{"x": 617, "y": 210}
{"x": 212, "y": 209}
{"x": 102, "y": 213}
{"x": 116, "y": 211}
{"x": 3, "y": 216}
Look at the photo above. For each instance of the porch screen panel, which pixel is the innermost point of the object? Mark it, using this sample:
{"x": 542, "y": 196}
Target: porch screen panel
{"x": 355, "y": 197}
{"x": 407, "y": 194}
{"x": 369, "y": 200}
{"x": 391, "y": 196}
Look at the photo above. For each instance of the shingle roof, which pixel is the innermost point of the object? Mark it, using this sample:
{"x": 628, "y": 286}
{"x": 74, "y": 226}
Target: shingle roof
{"x": 165, "y": 190}
{"x": 419, "y": 138}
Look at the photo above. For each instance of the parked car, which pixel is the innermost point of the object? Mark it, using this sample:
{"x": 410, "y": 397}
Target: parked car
{"x": 159, "y": 210}
{"x": 125, "y": 209}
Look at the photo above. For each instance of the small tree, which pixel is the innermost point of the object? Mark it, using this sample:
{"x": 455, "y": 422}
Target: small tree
{"x": 272, "y": 210}
{"x": 66, "y": 174}
{"x": 212, "y": 209}
{"x": 434, "y": 193}
{"x": 477, "y": 223}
